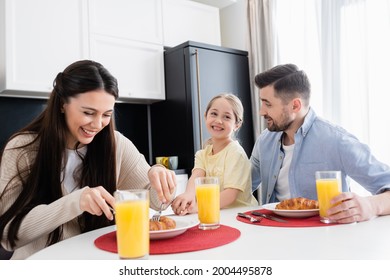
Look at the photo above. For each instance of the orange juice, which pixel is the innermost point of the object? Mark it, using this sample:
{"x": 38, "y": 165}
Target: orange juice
{"x": 208, "y": 203}
{"x": 326, "y": 190}
{"x": 132, "y": 224}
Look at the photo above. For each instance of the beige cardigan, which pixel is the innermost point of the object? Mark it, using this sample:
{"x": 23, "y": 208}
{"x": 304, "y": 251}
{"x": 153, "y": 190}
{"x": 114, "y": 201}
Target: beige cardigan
{"x": 132, "y": 170}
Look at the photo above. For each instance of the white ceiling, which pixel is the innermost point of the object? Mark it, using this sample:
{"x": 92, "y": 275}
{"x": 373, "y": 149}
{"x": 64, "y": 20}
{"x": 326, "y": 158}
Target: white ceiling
{"x": 217, "y": 3}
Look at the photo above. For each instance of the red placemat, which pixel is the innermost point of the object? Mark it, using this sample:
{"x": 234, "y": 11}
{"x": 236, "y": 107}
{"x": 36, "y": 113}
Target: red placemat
{"x": 313, "y": 221}
{"x": 192, "y": 239}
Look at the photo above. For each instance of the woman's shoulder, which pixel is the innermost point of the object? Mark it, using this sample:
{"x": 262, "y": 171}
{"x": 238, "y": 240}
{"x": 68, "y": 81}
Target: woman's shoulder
{"x": 123, "y": 143}
{"x": 118, "y": 135}
{"x": 20, "y": 146}
{"x": 120, "y": 138}
{"x": 21, "y": 140}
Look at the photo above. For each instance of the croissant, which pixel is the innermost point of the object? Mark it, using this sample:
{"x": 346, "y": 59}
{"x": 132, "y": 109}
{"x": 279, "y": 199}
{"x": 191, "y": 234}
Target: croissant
{"x": 163, "y": 224}
{"x": 298, "y": 203}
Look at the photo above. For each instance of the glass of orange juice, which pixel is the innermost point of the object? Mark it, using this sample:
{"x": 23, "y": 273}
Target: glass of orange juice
{"x": 207, "y": 196}
{"x": 132, "y": 223}
{"x": 328, "y": 186}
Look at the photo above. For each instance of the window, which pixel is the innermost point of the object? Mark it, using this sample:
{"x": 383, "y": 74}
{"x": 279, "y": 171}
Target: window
{"x": 344, "y": 47}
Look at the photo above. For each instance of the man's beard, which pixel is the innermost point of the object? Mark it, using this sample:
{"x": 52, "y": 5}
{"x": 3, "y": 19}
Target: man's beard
{"x": 283, "y": 126}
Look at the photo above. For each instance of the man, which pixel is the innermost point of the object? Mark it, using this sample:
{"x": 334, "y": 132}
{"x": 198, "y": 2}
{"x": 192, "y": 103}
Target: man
{"x": 297, "y": 143}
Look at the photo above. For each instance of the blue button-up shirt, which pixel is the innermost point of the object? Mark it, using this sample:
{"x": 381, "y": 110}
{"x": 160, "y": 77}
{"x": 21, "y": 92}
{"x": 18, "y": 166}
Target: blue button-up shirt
{"x": 319, "y": 145}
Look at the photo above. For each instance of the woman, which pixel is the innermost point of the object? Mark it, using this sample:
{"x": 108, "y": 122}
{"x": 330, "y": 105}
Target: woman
{"x": 58, "y": 173}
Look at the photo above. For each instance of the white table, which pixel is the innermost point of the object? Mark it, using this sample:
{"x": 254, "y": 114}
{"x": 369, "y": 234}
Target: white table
{"x": 359, "y": 241}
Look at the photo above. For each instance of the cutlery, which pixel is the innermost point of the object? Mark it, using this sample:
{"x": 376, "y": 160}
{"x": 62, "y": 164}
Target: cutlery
{"x": 156, "y": 216}
{"x": 163, "y": 206}
{"x": 250, "y": 218}
{"x": 268, "y": 217}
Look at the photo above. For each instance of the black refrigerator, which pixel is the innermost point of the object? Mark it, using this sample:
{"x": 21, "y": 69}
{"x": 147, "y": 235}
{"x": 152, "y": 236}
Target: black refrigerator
{"x": 194, "y": 73}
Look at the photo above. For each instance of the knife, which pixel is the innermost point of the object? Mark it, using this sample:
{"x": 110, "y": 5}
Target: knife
{"x": 250, "y": 218}
{"x": 268, "y": 217}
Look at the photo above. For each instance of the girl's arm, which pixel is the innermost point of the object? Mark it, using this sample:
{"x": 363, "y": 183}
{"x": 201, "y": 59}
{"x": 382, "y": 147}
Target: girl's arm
{"x": 185, "y": 203}
{"x": 228, "y": 196}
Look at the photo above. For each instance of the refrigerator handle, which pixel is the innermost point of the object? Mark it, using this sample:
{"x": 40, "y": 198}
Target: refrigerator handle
{"x": 199, "y": 98}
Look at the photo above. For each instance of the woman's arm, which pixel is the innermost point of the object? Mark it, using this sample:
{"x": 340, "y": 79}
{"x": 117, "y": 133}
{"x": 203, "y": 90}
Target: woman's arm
{"x": 163, "y": 181}
{"x": 133, "y": 171}
{"x": 42, "y": 219}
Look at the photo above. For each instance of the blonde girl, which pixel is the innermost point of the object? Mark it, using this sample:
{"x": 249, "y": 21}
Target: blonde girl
{"x": 222, "y": 157}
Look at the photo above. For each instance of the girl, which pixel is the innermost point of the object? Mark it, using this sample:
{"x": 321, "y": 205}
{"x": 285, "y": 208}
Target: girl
{"x": 222, "y": 157}
{"x": 58, "y": 174}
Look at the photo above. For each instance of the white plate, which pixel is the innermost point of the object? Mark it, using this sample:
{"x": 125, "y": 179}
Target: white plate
{"x": 182, "y": 224}
{"x": 291, "y": 213}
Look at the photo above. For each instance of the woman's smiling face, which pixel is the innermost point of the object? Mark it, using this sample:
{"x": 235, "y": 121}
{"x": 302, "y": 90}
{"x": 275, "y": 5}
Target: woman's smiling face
{"x": 86, "y": 114}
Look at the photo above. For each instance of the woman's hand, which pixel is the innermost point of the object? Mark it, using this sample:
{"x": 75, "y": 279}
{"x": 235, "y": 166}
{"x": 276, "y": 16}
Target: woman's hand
{"x": 163, "y": 181}
{"x": 97, "y": 201}
{"x": 185, "y": 204}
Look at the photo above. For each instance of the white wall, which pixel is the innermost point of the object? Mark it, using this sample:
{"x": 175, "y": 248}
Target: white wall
{"x": 234, "y": 25}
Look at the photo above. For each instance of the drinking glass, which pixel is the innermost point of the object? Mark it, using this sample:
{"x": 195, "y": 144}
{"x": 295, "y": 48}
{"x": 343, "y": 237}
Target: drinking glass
{"x": 328, "y": 186}
{"x": 132, "y": 223}
{"x": 208, "y": 197}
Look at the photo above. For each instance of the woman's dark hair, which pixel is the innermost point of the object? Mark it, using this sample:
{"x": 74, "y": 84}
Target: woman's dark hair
{"x": 287, "y": 80}
{"x": 42, "y": 184}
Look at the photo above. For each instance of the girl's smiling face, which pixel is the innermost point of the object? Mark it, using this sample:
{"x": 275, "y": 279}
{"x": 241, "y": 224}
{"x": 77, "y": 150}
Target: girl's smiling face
{"x": 220, "y": 119}
{"x": 86, "y": 115}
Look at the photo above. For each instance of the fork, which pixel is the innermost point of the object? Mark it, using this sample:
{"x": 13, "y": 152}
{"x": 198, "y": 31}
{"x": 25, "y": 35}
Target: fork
{"x": 156, "y": 216}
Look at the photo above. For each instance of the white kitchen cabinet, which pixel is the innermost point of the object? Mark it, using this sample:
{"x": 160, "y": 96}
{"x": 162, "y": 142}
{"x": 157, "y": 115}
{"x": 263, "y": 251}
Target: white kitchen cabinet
{"x": 38, "y": 39}
{"x": 138, "y": 66}
{"x": 126, "y": 37}
{"x": 185, "y": 20}
{"x": 129, "y": 19}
